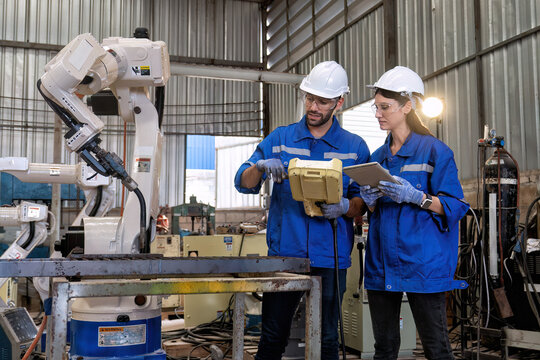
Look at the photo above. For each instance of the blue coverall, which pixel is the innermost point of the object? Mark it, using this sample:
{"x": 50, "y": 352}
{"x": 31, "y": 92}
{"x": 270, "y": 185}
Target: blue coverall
{"x": 290, "y": 232}
{"x": 411, "y": 249}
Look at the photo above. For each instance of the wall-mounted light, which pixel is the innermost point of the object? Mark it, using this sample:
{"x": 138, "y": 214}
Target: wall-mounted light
{"x": 432, "y": 107}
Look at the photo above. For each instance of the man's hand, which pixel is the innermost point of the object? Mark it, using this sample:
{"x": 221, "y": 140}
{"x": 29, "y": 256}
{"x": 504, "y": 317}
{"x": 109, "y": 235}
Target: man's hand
{"x": 333, "y": 211}
{"x": 370, "y": 195}
{"x": 403, "y": 192}
{"x": 273, "y": 168}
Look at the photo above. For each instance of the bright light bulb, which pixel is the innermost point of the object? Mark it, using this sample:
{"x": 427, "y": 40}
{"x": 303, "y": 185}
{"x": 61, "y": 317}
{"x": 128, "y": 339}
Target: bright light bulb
{"x": 432, "y": 107}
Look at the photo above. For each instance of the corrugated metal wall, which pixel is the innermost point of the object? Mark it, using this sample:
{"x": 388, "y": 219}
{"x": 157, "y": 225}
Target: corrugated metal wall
{"x": 223, "y": 30}
{"x": 220, "y": 29}
{"x": 297, "y": 27}
{"x": 437, "y": 34}
{"x": 212, "y": 107}
{"x": 57, "y": 22}
{"x": 230, "y": 154}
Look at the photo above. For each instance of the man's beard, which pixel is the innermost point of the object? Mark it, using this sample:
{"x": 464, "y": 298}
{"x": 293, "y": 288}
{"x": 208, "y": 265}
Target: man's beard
{"x": 317, "y": 123}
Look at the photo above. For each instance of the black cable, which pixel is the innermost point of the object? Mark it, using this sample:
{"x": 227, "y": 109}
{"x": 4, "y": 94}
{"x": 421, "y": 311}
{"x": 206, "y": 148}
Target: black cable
{"x": 97, "y": 202}
{"x": 64, "y": 115}
{"x": 338, "y": 292}
{"x": 360, "y": 247}
{"x": 144, "y": 244}
{"x": 160, "y": 103}
{"x": 241, "y": 243}
{"x": 32, "y": 231}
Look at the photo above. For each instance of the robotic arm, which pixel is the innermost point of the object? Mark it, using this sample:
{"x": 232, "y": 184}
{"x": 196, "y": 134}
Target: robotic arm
{"x": 86, "y": 67}
{"x": 127, "y": 66}
{"x": 97, "y": 188}
{"x": 33, "y": 221}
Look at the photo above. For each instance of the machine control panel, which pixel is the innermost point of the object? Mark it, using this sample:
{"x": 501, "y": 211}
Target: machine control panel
{"x": 17, "y": 330}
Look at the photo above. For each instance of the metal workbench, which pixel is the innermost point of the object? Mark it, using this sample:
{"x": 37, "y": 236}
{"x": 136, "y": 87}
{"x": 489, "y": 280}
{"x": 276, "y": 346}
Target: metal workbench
{"x": 221, "y": 275}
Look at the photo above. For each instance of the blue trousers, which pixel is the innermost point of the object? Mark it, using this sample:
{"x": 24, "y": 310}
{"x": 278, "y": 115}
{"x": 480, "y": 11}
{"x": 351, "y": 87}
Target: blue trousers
{"x": 429, "y": 313}
{"x": 278, "y": 309}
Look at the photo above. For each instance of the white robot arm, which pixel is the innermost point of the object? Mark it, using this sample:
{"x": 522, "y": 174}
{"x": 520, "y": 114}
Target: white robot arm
{"x": 33, "y": 221}
{"x": 127, "y": 66}
{"x": 86, "y": 67}
{"x": 98, "y": 189}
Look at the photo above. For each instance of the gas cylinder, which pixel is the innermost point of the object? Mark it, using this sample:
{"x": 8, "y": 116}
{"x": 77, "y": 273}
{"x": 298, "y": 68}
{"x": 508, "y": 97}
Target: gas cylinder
{"x": 501, "y": 187}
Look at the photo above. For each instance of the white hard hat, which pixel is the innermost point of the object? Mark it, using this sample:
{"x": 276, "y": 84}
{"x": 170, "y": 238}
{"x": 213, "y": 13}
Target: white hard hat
{"x": 401, "y": 80}
{"x": 327, "y": 79}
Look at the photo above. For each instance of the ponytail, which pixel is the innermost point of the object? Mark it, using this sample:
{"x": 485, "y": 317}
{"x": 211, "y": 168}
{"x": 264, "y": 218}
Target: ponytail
{"x": 416, "y": 125}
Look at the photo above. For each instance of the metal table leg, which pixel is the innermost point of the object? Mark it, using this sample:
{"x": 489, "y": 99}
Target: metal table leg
{"x": 56, "y": 328}
{"x": 238, "y": 326}
{"x": 313, "y": 320}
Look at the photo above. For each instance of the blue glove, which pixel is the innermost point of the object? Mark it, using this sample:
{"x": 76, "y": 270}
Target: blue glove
{"x": 272, "y": 167}
{"x": 333, "y": 211}
{"x": 403, "y": 192}
{"x": 370, "y": 195}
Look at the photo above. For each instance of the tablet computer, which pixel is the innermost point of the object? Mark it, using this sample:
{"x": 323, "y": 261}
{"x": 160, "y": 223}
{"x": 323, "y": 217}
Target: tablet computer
{"x": 369, "y": 174}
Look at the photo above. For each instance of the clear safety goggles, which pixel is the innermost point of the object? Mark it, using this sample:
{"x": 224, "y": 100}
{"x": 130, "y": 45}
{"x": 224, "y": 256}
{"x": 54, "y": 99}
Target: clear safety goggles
{"x": 385, "y": 108}
{"x": 322, "y": 103}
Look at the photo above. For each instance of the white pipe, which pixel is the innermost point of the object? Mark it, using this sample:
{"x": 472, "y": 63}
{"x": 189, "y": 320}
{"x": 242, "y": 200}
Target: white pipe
{"x": 493, "y": 269}
{"x": 231, "y": 73}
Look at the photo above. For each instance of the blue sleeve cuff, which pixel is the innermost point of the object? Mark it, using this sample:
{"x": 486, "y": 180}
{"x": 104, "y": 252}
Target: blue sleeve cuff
{"x": 454, "y": 210}
{"x": 238, "y": 180}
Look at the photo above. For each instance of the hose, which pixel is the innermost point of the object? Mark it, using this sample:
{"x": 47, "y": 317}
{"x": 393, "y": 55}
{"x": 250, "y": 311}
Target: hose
{"x": 338, "y": 292}
{"x": 36, "y": 339}
{"x": 97, "y": 202}
{"x": 32, "y": 230}
{"x": 360, "y": 247}
{"x": 144, "y": 244}
{"x": 160, "y": 103}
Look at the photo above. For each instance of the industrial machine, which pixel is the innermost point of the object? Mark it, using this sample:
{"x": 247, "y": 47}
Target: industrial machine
{"x": 169, "y": 246}
{"x": 32, "y": 218}
{"x": 17, "y": 331}
{"x": 123, "y": 327}
{"x": 498, "y": 258}
{"x": 194, "y": 210}
{"x": 356, "y": 318}
{"x": 199, "y": 309}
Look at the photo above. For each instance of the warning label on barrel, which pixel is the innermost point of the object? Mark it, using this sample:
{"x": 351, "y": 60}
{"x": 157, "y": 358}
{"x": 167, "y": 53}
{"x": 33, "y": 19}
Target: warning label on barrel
{"x": 121, "y": 335}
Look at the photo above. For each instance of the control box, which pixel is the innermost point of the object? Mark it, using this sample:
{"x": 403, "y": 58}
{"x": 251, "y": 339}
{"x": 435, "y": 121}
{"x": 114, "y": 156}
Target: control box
{"x": 17, "y": 331}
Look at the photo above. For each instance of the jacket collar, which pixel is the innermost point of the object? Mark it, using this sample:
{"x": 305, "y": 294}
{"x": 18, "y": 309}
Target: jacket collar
{"x": 332, "y": 136}
{"x": 407, "y": 149}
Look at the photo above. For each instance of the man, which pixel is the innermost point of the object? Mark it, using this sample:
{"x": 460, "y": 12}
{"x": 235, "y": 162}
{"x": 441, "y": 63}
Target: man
{"x": 290, "y": 232}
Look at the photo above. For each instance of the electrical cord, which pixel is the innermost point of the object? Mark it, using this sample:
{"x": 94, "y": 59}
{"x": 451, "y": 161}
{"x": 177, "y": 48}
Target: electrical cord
{"x": 338, "y": 292}
{"x": 32, "y": 232}
{"x": 211, "y": 337}
{"x": 97, "y": 202}
{"x": 144, "y": 244}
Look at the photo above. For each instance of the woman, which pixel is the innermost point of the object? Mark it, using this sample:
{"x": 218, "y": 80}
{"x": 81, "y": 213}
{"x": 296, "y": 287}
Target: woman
{"x": 413, "y": 227}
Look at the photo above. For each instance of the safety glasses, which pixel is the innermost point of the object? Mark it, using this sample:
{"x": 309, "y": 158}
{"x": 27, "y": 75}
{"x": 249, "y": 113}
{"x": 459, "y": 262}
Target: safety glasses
{"x": 386, "y": 108}
{"x": 322, "y": 103}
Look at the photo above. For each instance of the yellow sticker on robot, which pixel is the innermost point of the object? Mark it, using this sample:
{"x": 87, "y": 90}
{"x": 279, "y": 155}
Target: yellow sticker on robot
{"x": 145, "y": 70}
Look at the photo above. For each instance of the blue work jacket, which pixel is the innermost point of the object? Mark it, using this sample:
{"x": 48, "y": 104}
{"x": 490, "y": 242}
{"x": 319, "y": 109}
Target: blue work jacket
{"x": 409, "y": 248}
{"x": 290, "y": 232}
